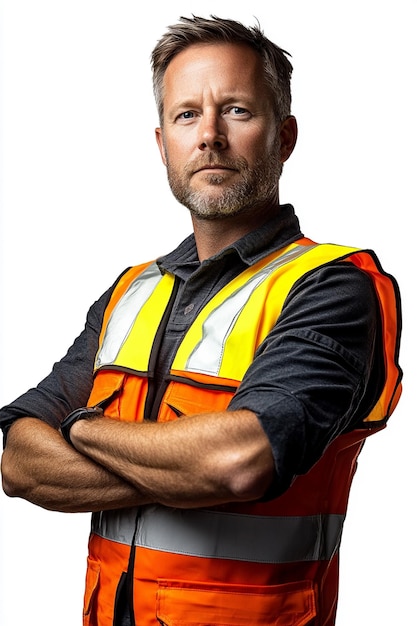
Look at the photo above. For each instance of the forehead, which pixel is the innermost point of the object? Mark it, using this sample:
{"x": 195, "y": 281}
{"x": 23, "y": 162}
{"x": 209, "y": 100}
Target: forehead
{"x": 211, "y": 63}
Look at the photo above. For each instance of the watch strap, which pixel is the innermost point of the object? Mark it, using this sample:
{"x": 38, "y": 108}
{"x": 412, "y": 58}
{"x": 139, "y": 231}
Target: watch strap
{"x": 82, "y": 413}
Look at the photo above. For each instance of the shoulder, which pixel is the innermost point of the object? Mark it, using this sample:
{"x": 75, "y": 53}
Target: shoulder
{"x": 336, "y": 282}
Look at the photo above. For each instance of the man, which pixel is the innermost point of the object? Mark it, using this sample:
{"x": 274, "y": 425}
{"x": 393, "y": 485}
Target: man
{"x": 211, "y": 413}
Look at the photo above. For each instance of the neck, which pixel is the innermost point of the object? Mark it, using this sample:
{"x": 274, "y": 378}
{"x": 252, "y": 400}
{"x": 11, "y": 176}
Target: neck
{"x": 213, "y": 235}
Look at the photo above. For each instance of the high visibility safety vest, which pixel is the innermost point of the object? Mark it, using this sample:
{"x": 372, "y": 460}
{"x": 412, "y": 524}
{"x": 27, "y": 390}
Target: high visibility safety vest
{"x": 257, "y": 563}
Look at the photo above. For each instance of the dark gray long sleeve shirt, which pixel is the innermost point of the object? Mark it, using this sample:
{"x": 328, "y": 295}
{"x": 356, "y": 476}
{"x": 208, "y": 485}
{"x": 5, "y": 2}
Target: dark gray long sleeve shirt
{"x": 317, "y": 374}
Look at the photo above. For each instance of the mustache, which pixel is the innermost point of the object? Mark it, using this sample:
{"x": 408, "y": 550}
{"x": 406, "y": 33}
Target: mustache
{"x": 214, "y": 158}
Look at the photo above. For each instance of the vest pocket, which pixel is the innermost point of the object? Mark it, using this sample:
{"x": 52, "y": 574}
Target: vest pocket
{"x": 91, "y": 587}
{"x": 181, "y": 603}
{"x": 107, "y": 383}
{"x": 182, "y": 398}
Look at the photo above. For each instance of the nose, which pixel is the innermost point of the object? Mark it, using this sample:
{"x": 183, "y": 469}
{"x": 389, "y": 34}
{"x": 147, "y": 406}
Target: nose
{"x": 212, "y": 134}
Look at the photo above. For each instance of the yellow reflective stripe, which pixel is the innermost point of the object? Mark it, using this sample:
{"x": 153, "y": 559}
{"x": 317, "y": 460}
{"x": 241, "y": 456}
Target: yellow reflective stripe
{"x": 225, "y": 335}
{"x": 221, "y": 535}
{"x": 143, "y": 332}
{"x": 135, "y": 320}
{"x": 203, "y": 346}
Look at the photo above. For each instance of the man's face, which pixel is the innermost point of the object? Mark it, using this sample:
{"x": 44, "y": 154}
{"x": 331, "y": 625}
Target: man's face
{"x": 219, "y": 140}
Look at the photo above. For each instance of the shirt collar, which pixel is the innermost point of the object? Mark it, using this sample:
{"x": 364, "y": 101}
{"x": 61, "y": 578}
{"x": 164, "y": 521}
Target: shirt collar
{"x": 280, "y": 231}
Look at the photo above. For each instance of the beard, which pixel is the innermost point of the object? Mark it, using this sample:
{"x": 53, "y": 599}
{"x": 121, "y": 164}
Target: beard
{"x": 257, "y": 185}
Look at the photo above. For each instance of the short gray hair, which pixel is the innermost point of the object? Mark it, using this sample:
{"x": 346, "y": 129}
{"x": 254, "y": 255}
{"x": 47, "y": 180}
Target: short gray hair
{"x": 197, "y": 30}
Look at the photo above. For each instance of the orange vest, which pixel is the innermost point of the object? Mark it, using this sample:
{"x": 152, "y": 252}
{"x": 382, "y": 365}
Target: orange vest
{"x": 259, "y": 563}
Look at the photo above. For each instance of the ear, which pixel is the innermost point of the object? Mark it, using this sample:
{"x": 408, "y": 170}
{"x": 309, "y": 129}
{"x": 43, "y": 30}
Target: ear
{"x": 288, "y": 137}
{"x": 160, "y": 141}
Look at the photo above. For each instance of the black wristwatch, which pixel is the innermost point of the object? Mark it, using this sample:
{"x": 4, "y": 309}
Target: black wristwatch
{"x": 79, "y": 414}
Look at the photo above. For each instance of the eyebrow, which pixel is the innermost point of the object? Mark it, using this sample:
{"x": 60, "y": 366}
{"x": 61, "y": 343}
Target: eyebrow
{"x": 190, "y": 102}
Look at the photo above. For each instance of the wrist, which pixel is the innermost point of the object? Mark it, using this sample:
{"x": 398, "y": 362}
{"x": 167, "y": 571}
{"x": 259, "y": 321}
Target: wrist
{"x": 84, "y": 413}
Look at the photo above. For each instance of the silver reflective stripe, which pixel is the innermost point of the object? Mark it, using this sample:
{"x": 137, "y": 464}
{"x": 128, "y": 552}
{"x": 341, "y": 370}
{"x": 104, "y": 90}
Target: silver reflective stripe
{"x": 207, "y": 354}
{"x": 125, "y": 313}
{"x": 215, "y": 534}
{"x": 117, "y": 525}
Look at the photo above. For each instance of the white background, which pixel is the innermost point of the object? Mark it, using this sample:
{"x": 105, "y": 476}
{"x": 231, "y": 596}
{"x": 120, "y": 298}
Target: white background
{"x": 84, "y": 195}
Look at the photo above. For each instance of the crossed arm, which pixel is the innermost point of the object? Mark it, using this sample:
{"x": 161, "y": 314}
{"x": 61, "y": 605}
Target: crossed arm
{"x": 202, "y": 460}
{"x": 313, "y": 391}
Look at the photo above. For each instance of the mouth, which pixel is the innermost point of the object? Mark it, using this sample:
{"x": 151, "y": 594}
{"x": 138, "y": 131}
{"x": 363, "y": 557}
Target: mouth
{"x": 214, "y": 168}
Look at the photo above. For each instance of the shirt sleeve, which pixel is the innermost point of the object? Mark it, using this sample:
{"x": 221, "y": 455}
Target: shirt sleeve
{"x": 68, "y": 385}
{"x": 319, "y": 371}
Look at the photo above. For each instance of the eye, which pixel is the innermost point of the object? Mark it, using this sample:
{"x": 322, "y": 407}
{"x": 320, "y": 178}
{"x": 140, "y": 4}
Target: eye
{"x": 186, "y": 115}
{"x": 237, "y": 111}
